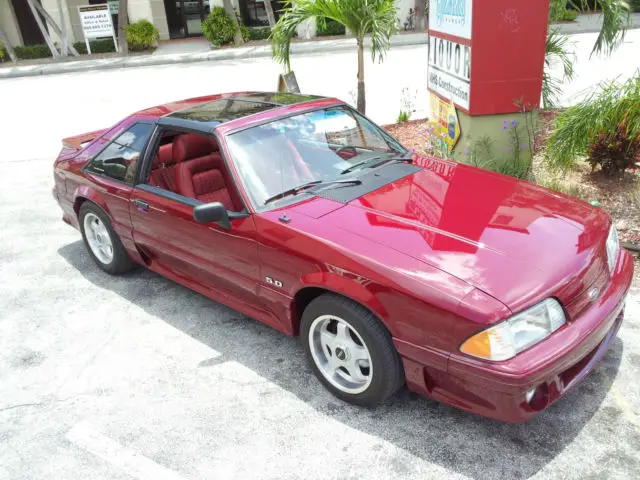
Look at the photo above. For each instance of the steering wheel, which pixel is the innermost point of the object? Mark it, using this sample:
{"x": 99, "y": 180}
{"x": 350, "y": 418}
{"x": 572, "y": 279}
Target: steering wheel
{"x": 352, "y": 150}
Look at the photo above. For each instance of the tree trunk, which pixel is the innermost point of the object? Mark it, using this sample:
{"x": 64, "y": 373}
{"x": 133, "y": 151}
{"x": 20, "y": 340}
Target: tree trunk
{"x": 237, "y": 37}
{"x": 361, "y": 96}
{"x": 7, "y": 45}
{"x": 43, "y": 30}
{"x": 62, "y": 32}
{"x": 123, "y": 21}
{"x": 64, "y": 38}
{"x": 270, "y": 16}
{"x": 419, "y": 7}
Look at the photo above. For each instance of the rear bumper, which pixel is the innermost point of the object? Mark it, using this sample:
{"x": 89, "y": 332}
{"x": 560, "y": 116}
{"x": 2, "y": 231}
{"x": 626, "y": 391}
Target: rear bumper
{"x": 551, "y": 368}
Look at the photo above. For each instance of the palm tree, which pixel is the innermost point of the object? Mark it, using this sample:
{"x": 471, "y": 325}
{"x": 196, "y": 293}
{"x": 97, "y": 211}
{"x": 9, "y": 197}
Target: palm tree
{"x": 557, "y": 50}
{"x": 123, "y": 21}
{"x": 361, "y": 17}
{"x": 616, "y": 19}
{"x": 237, "y": 36}
{"x": 616, "y": 16}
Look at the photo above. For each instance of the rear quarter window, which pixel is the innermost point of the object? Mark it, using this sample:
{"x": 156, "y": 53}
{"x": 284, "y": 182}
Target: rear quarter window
{"x": 119, "y": 159}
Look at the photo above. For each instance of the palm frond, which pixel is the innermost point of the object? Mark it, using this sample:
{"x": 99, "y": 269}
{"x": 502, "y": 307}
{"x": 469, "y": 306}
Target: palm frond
{"x": 361, "y": 17}
{"x": 611, "y": 106}
{"x": 616, "y": 20}
{"x": 557, "y": 50}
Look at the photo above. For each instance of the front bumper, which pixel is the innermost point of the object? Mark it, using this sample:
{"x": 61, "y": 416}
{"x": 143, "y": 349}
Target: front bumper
{"x": 551, "y": 368}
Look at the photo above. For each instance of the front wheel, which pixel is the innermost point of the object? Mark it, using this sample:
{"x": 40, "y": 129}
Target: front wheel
{"x": 350, "y": 351}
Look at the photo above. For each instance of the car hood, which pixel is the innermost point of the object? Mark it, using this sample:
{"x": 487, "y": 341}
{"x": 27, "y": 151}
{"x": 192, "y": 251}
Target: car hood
{"x": 515, "y": 241}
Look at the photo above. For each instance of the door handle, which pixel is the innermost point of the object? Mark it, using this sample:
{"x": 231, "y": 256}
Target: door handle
{"x": 141, "y": 205}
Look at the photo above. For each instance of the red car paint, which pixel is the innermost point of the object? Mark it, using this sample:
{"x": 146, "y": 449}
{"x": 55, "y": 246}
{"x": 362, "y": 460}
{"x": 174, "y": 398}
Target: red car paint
{"x": 437, "y": 256}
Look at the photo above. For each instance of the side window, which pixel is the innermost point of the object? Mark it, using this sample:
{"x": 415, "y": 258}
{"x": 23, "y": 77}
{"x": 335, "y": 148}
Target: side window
{"x": 120, "y": 158}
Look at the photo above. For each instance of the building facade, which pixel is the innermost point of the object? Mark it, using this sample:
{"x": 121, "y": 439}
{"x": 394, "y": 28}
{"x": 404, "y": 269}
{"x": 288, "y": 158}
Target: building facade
{"x": 173, "y": 18}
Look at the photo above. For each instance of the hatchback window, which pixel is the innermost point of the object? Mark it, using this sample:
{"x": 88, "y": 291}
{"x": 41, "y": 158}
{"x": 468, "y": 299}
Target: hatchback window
{"x": 119, "y": 160}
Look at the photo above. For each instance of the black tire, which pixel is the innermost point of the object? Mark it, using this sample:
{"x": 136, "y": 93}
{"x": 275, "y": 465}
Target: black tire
{"x": 387, "y": 373}
{"x": 121, "y": 262}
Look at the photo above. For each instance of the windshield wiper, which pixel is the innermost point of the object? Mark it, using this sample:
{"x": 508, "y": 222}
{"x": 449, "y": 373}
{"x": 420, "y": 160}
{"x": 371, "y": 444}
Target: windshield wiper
{"x": 304, "y": 186}
{"x": 398, "y": 158}
{"x": 359, "y": 164}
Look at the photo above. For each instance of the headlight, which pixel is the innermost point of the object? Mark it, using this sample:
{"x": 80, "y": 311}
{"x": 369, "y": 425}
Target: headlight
{"x": 613, "y": 248}
{"x": 510, "y": 337}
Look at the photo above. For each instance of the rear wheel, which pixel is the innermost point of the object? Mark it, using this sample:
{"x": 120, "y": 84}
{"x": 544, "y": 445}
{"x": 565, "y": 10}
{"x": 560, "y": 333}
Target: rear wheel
{"x": 350, "y": 351}
{"x": 101, "y": 240}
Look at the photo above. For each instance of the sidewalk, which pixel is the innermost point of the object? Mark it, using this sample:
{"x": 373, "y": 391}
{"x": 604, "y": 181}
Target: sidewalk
{"x": 190, "y": 52}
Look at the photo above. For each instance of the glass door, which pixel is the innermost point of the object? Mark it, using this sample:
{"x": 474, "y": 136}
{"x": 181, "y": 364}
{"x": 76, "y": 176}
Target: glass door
{"x": 193, "y": 14}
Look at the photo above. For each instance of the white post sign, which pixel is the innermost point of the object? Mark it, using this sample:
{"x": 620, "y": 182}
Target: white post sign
{"x": 450, "y": 50}
{"x": 96, "y": 23}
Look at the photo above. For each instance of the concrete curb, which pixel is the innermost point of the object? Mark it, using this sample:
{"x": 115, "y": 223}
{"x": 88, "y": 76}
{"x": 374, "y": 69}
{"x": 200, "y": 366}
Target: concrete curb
{"x": 319, "y": 46}
{"x": 588, "y": 24}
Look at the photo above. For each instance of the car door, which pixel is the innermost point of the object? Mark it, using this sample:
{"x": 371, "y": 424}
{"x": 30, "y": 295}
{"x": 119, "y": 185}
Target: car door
{"x": 223, "y": 262}
{"x": 113, "y": 169}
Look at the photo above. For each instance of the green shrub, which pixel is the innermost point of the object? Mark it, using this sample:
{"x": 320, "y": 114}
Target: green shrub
{"x": 97, "y": 46}
{"x": 141, "y": 35}
{"x": 244, "y": 30}
{"x": 2, "y": 52}
{"x": 635, "y": 5}
{"x": 218, "y": 27}
{"x": 569, "y": 16}
{"x": 326, "y": 27}
{"x": 403, "y": 116}
{"x": 604, "y": 127}
{"x": 556, "y": 10}
{"x": 30, "y": 52}
{"x": 261, "y": 33}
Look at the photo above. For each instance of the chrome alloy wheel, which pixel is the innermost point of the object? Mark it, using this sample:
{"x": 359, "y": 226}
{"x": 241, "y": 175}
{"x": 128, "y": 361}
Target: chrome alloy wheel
{"x": 340, "y": 354}
{"x": 98, "y": 238}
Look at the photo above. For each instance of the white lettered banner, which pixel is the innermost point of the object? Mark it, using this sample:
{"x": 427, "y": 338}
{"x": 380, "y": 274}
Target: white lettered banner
{"x": 450, "y": 70}
{"x": 96, "y": 21}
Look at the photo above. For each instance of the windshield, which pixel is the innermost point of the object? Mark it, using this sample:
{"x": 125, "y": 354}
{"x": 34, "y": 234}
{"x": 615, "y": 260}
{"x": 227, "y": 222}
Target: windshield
{"x": 318, "y": 146}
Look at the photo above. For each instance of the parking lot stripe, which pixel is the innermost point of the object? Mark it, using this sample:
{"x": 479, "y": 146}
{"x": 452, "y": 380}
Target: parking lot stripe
{"x": 130, "y": 462}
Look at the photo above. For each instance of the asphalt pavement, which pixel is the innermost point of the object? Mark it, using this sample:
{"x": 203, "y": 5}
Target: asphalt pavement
{"x": 137, "y": 377}
{"x": 126, "y": 377}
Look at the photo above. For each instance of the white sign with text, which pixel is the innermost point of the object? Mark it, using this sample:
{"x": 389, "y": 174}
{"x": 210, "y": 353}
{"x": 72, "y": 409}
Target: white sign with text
{"x": 451, "y": 16}
{"x": 96, "y": 21}
{"x": 450, "y": 70}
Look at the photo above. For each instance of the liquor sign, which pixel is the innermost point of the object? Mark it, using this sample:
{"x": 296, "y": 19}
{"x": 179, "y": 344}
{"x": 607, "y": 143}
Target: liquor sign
{"x": 96, "y": 23}
{"x": 452, "y": 17}
{"x": 486, "y": 54}
{"x": 450, "y": 50}
{"x": 450, "y": 70}
{"x": 445, "y": 121}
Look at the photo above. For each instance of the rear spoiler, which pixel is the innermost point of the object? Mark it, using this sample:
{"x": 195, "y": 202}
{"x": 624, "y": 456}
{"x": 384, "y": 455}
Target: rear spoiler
{"x": 79, "y": 141}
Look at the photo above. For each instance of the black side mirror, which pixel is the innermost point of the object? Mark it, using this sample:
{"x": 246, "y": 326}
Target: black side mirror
{"x": 212, "y": 212}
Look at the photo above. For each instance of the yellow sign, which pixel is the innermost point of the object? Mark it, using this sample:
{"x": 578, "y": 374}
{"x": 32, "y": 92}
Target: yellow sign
{"x": 445, "y": 121}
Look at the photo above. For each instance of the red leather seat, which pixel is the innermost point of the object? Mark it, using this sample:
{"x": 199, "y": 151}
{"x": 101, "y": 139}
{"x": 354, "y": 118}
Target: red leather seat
{"x": 163, "y": 169}
{"x": 199, "y": 173}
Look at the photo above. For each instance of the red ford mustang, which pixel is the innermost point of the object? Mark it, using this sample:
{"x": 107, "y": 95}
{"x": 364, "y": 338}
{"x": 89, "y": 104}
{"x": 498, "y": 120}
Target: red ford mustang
{"x": 484, "y": 292}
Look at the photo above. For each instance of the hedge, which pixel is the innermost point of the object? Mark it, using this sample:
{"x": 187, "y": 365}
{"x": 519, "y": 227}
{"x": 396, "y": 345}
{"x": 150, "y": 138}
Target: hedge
{"x": 261, "y": 33}
{"x": 329, "y": 27}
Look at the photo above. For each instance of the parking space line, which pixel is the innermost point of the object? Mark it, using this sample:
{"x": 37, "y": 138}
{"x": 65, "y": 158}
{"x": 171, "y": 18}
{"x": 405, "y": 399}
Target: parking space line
{"x": 130, "y": 462}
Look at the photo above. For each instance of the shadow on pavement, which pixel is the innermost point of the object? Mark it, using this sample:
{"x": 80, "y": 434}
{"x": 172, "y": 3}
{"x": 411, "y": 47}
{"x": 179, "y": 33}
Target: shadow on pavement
{"x": 458, "y": 441}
